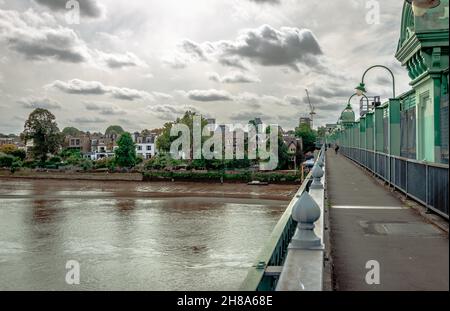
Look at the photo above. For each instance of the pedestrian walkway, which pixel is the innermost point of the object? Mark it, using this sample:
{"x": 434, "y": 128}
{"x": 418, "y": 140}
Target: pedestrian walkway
{"x": 368, "y": 222}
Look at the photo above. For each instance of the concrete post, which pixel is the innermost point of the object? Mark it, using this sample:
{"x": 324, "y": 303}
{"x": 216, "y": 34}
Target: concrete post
{"x": 317, "y": 174}
{"x": 306, "y": 212}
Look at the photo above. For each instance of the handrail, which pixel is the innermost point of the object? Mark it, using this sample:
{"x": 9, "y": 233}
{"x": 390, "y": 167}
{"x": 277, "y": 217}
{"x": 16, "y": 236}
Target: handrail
{"x": 440, "y": 165}
{"x": 256, "y": 272}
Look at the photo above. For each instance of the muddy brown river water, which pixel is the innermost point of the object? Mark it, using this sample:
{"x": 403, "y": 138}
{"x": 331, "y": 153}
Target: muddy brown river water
{"x": 133, "y": 235}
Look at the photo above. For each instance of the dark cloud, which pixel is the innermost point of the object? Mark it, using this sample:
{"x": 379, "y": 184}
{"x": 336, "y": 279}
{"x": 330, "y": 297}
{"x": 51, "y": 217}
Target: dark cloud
{"x": 245, "y": 116}
{"x": 293, "y": 100}
{"x": 209, "y": 95}
{"x": 195, "y": 50}
{"x": 264, "y": 45}
{"x": 88, "y": 8}
{"x": 270, "y": 47}
{"x": 39, "y": 102}
{"x": 169, "y": 112}
{"x": 36, "y": 37}
{"x": 235, "y": 62}
{"x": 88, "y": 120}
{"x": 104, "y": 108}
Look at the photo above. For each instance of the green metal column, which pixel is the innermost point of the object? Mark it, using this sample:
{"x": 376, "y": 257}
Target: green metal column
{"x": 394, "y": 127}
{"x": 362, "y": 132}
{"x": 378, "y": 127}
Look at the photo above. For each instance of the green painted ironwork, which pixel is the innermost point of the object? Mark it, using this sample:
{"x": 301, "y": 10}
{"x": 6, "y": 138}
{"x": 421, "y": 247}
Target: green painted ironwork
{"x": 275, "y": 250}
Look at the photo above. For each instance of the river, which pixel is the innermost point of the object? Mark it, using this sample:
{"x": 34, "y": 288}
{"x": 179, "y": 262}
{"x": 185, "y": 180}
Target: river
{"x": 133, "y": 235}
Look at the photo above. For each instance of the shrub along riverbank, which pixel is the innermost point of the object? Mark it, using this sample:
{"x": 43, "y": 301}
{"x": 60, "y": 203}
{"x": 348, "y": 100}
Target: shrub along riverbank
{"x": 209, "y": 176}
{"x": 278, "y": 177}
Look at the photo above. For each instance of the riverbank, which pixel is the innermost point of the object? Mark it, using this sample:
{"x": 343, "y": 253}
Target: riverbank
{"x": 276, "y": 177}
{"x": 70, "y": 175}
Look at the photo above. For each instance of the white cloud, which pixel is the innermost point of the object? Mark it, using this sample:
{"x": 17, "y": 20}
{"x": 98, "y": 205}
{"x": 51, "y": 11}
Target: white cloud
{"x": 209, "y": 95}
{"x": 233, "y": 77}
{"x": 117, "y": 61}
{"x": 88, "y": 8}
{"x": 81, "y": 87}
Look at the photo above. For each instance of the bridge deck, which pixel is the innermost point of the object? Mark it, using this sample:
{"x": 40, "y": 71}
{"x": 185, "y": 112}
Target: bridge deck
{"x": 369, "y": 223}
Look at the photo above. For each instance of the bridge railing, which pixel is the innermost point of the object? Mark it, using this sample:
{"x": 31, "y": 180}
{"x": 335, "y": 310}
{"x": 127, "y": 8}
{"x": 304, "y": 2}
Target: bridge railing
{"x": 423, "y": 181}
{"x": 264, "y": 274}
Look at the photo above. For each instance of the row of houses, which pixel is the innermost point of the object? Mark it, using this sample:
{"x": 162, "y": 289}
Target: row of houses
{"x": 97, "y": 146}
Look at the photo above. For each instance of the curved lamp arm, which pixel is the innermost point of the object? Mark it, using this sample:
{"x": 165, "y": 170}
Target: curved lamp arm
{"x": 350, "y": 98}
{"x": 361, "y": 87}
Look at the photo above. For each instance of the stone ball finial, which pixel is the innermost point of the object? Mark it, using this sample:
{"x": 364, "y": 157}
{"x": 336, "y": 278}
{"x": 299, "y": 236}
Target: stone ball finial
{"x": 306, "y": 212}
{"x": 317, "y": 174}
{"x": 320, "y": 161}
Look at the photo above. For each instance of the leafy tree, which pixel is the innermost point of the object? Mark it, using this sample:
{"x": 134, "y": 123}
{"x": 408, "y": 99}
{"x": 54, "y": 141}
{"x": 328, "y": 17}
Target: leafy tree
{"x": 71, "y": 131}
{"x": 283, "y": 152}
{"x": 162, "y": 161}
{"x": 126, "y": 153}
{"x": 108, "y": 162}
{"x": 67, "y": 153}
{"x": 86, "y": 164}
{"x": 8, "y": 148}
{"x": 308, "y": 136}
{"x": 42, "y": 128}
{"x": 6, "y": 160}
{"x": 164, "y": 140}
{"x": 20, "y": 154}
{"x": 114, "y": 129}
{"x": 321, "y": 132}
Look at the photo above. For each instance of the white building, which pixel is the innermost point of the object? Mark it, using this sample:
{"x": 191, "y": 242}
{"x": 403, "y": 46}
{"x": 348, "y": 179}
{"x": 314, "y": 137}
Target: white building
{"x": 146, "y": 150}
{"x": 145, "y": 145}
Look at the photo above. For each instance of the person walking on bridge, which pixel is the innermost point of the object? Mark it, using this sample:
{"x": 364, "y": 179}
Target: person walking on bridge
{"x": 336, "y": 148}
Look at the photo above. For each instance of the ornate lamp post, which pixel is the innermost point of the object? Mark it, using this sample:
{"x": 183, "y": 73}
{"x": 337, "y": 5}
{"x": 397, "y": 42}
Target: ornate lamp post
{"x": 356, "y": 94}
{"x": 361, "y": 88}
{"x": 420, "y": 7}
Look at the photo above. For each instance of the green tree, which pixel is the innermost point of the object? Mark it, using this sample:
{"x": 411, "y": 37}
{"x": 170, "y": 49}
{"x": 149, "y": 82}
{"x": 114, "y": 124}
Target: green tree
{"x": 43, "y": 130}
{"x": 126, "y": 153}
{"x": 321, "y": 132}
{"x": 71, "y": 131}
{"x": 283, "y": 152}
{"x": 308, "y": 136}
{"x": 6, "y": 160}
{"x": 20, "y": 154}
{"x": 114, "y": 129}
{"x": 164, "y": 140}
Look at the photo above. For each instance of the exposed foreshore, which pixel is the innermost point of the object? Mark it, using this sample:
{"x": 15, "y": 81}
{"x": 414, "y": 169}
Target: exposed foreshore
{"x": 129, "y": 189}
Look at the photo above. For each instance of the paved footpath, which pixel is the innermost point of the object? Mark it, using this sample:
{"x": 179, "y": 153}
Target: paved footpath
{"x": 369, "y": 223}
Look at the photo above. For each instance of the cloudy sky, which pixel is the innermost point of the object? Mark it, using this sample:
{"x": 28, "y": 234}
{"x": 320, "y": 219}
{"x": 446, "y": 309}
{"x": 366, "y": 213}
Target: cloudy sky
{"x": 141, "y": 63}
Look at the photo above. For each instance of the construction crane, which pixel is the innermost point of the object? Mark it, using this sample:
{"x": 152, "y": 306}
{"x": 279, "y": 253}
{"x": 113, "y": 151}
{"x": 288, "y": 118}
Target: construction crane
{"x": 311, "y": 107}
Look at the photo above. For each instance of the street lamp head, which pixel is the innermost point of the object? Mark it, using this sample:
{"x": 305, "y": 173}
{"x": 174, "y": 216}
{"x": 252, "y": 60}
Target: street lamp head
{"x": 420, "y": 7}
{"x": 360, "y": 89}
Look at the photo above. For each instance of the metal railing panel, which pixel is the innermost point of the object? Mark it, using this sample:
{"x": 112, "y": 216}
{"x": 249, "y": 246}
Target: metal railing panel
{"x": 416, "y": 184}
{"x": 438, "y": 190}
{"x": 425, "y": 182}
